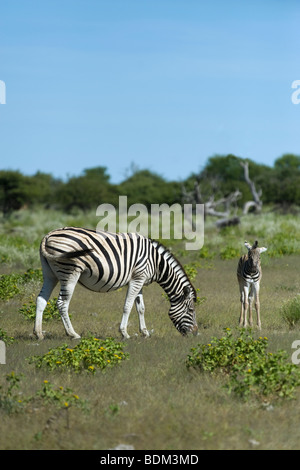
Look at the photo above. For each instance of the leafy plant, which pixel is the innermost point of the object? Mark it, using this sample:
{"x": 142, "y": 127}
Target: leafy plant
{"x": 9, "y": 400}
{"x": 33, "y": 275}
{"x": 13, "y": 284}
{"x": 60, "y": 397}
{"x": 290, "y": 311}
{"x": 250, "y": 369}
{"x": 271, "y": 375}
{"x": 50, "y": 312}
{"x": 224, "y": 353}
{"x": 9, "y": 286}
{"x": 4, "y": 337}
{"x": 89, "y": 355}
{"x": 230, "y": 252}
{"x": 191, "y": 271}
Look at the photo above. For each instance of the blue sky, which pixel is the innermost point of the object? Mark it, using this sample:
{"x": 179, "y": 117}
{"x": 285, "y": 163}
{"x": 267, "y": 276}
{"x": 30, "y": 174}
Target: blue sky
{"x": 161, "y": 84}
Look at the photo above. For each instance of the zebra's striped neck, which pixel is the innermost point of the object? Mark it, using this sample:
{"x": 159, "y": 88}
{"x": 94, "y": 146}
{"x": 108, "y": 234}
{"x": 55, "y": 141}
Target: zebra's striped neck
{"x": 170, "y": 274}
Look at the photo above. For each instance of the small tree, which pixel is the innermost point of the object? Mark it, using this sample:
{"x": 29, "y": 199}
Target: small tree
{"x": 13, "y": 191}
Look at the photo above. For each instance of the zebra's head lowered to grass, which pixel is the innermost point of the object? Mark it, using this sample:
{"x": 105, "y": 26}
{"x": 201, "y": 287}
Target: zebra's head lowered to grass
{"x": 182, "y": 311}
{"x": 173, "y": 279}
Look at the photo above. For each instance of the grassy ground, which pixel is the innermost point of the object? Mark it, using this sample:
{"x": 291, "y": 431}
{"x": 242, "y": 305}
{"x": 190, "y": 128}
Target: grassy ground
{"x": 151, "y": 400}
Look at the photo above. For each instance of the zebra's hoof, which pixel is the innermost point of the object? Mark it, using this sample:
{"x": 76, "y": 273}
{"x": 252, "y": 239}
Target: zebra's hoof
{"x": 39, "y": 336}
{"x": 125, "y": 335}
{"x": 76, "y": 337}
{"x": 145, "y": 333}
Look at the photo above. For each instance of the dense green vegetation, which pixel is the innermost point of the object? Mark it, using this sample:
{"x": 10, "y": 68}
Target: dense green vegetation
{"x": 280, "y": 184}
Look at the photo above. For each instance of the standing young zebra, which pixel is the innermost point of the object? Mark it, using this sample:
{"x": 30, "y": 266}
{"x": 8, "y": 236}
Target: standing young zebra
{"x": 249, "y": 275}
{"x": 102, "y": 262}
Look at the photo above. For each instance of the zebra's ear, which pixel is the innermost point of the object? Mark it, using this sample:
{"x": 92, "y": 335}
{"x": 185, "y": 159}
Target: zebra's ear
{"x": 186, "y": 291}
{"x": 262, "y": 249}
{"x": 247, "y": 245}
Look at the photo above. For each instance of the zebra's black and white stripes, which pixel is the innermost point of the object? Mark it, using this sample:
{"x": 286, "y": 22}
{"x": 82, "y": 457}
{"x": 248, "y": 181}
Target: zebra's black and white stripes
{"x": 102, "y": 262}
{"x": 249, "y": 275}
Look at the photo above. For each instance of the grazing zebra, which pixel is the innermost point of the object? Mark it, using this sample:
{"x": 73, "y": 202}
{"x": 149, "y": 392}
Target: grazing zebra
{"x": 249, "y": 274}
{"x": 103, "y": 261}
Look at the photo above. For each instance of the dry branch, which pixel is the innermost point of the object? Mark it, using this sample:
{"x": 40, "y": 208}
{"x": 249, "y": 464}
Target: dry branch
{"x": 211, "y": 205}
{"x": 257, "y": 202}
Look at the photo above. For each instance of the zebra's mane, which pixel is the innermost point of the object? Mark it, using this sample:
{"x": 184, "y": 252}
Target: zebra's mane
{"x": 165, "y": 250}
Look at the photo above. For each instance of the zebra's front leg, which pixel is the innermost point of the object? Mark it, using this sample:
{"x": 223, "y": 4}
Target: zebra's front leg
{"x": 244, "y": 307}
{"x": 140, "y": 307}
{"x": 63, "y": 302}
{"x": 257, "y": 304}
{"x": 251, "y": 296}
{"x": 134, "y": 288}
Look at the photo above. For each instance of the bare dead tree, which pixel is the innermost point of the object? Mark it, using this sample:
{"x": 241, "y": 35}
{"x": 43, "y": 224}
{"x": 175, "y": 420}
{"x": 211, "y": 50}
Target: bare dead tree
{"x": 223, "y": 208}
{"x": 257, "y": 202}
{"x": 220, "y": 208}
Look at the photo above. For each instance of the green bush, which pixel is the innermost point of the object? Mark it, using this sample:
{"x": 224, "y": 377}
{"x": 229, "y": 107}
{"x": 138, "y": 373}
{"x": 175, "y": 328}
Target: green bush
{"x": 270, "y": 375}
{"x": 61, "y": 397}
{"x": 250, "y": 369}
{"x": 206, "y": 253}
{"x": 12, "y": 401}
{"x": 50, "y": 312}
{"x": 230, "y": 252}
{"x": 9, "y": 400}
{"x": 9, "y": 286}
{"x": 191, "y": 271}
{"x": 13, "y": 284}
{"x": 290, "y": 311}
{"x": 4, "y": 337}
{"x": 225, "y": 353}
{"x": 89, "y": 355}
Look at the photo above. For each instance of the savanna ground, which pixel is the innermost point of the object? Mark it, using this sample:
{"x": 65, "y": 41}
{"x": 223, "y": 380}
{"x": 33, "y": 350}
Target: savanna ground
{"x": 152, "y": 401}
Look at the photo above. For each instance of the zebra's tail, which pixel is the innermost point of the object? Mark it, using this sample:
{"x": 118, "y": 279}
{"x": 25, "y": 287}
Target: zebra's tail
{"x": 62, "y": 256}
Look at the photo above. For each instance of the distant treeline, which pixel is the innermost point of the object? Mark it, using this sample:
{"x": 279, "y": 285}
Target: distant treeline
{"x": 221, "y": 175}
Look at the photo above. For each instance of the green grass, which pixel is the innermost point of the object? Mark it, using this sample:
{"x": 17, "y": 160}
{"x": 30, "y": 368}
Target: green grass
{"x": 151, "y": 400}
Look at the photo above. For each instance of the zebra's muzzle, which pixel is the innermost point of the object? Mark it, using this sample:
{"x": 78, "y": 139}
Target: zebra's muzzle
{"x": 187, "y": 331}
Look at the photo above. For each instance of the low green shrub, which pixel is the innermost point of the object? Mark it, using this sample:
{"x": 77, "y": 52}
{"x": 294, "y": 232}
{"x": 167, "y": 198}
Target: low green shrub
{"x": 9, "y": 286}
{"x": 62, "y": 397}
{"x": 290, "y": 311}
{"x": 191, "y": 271}
{"x": 10, "y": 400}
{"x": 230, "y": 252}
{"x": 89, "y": 355}
{"x": 226, "y": 352}
{"x": 284, "y": 242}
{"x": 4, "y": 337}
{"x": 206, "y": 253}
{"x": 248, "y": 366}
{"x": 50, "y": 312}
{"x": 271, "y": 375}
{"x": 33, "y": 275}
{"x": 13, "y": 284}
